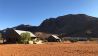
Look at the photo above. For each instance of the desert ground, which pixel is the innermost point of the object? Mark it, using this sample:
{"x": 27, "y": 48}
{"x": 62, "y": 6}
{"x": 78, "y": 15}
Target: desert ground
{"x": 49, "y": 49}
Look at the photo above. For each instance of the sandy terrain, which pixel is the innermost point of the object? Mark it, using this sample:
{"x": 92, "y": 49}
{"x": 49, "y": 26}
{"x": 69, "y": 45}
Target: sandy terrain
{"x": 52, "y": 49}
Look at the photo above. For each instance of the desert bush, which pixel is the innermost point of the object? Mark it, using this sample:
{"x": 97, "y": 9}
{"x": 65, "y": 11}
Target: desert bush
{"x": 1, "y": 37}
{"x": 25, "y": 37}
{"x": 73, "y": 40}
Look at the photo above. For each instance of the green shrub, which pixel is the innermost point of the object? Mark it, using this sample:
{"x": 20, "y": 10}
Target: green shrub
{"x": 25, "y": 37}
{"x": 1, "y": 37}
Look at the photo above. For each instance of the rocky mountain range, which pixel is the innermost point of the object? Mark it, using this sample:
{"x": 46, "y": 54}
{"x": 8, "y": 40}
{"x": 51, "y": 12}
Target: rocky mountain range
{"x": 71, "y": 25}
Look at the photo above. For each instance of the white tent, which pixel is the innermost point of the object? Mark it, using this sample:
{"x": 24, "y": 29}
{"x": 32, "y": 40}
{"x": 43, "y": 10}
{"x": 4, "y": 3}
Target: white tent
{"x": 20, "y": 31}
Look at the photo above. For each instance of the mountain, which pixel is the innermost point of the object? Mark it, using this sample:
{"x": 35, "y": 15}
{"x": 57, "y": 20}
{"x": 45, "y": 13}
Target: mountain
{"x": 78, "y": 24}
{"x": 71, "y": 25}
{"x": 26, "y": 28}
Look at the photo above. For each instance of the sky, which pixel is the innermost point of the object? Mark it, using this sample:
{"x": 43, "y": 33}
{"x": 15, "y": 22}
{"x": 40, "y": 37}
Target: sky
{"x": 33, "y": 12}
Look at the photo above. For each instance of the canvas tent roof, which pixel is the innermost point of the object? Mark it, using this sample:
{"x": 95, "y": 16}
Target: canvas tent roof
{"x": 55, "y": 36}
{"x": 20, "y": 31}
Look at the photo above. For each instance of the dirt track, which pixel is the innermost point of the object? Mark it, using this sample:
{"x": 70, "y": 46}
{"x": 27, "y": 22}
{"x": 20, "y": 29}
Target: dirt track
{"x": 62, "y": 49}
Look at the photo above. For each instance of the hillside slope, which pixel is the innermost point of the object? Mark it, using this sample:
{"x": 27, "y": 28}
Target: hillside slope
{"x": 72, "y": 25}
{"x": 75, "y": 25}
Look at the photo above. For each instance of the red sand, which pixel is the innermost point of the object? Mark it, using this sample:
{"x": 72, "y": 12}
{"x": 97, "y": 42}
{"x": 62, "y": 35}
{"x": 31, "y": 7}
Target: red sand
{"x": 55, "y": 49}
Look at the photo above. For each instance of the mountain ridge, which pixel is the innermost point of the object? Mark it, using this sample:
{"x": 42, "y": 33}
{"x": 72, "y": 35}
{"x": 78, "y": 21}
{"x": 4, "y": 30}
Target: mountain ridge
{"x": 71, "y": 24}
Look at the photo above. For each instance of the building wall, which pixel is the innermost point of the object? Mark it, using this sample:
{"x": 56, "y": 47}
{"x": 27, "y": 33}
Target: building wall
{"x": 11, "y": 36}
{"x": 78, "y": 38}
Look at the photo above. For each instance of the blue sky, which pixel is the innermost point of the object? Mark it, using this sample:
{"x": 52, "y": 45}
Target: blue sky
{"x": 33, "y": 12}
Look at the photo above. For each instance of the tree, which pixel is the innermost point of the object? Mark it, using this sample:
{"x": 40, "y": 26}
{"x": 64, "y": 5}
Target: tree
{"x": 25, "y": 37}
{"x": 1, "y": 36}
